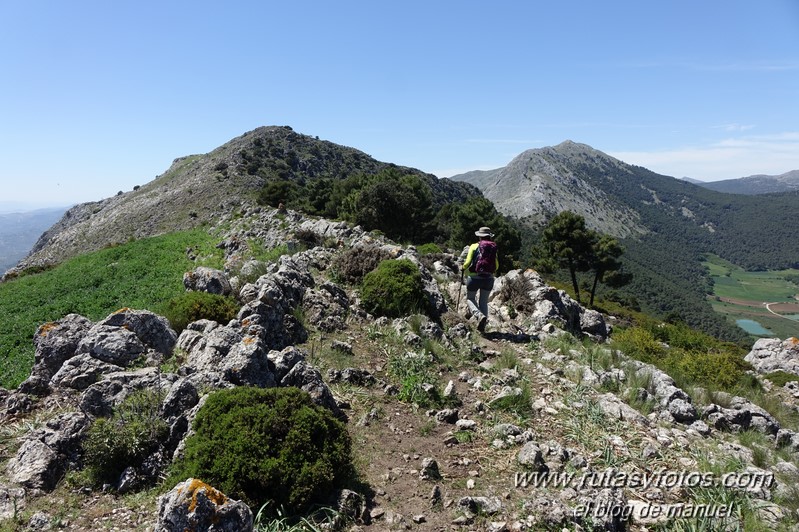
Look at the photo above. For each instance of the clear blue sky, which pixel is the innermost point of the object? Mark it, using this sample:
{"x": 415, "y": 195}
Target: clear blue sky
{"x": 99, "y": 96}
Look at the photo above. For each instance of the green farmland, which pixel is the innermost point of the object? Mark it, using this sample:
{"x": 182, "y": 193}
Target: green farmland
{"x": 742, "y": 295}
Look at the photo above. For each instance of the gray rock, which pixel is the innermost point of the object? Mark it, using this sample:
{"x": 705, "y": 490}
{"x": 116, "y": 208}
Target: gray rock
{"x": 35, "y": 466}
{"x": 203, "y": 279}
{"x": 283, "y": 361}
{"x": 194, "y": 505}
{"x": 12, "y": 501}
{"x": 47, "y": 452}
{"x": 682, "y": 411}
{"x": 81, "y": 371}
{"x": 182, "y": 396}
{"x": 615, "y": 408}
{"x": 153, "y": 330}
{"x": 326, "y": 308}
{"x": 246, "y": 364}
{"x": 741, "y": 415}
{"x": 207, "y": 343}
{"x": 771, "y": 354}
{"x": 447, "y": 415}
{"x": 429, "y": 470}
{"x": 474, "y": 506}
{"x": 308, "y": 378}
{"x": 56, "y": 342}
{"x": 531, "y": 455}
{"x": 115, "y": 345}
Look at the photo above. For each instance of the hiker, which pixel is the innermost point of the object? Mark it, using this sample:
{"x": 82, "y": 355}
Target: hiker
{"x": 481, "y": 263}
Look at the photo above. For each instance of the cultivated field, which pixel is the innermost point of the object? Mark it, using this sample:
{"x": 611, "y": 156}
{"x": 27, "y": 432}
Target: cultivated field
{"x": 769, "y": 298}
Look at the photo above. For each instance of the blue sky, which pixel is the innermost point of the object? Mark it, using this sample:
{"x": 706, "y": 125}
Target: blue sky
{"x": 100, "y": 96}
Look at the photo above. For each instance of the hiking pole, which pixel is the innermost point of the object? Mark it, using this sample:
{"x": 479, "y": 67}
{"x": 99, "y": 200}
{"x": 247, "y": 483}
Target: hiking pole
{"x": 459, "y": 293}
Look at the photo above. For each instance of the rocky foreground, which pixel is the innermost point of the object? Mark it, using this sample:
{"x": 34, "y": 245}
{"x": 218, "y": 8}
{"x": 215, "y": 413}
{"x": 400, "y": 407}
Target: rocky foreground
{"x": 538, "y": 431}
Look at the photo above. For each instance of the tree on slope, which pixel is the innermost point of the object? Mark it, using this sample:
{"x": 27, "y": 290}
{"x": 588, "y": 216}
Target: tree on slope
{"x": 605, "y": 264}
{"x": 567, "y": 243}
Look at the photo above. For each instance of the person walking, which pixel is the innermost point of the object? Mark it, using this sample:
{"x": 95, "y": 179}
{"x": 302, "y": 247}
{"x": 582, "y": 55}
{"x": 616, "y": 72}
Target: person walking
{"x": 482, "y": 264}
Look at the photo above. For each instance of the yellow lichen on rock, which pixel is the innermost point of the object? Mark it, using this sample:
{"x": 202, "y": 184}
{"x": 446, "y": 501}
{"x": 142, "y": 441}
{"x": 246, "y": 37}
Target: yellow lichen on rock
{"x": 196, "y": 486}
{"x": 47, "y": 327}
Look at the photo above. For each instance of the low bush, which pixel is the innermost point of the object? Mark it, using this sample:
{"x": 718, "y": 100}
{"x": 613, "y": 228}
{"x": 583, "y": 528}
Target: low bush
{"x": 638, "y": 343}
{"x": 268, "y": 446}
{"x": 781, "y": 378}
{"x": 394, "y": 289}
{"x": 516, "y": 292}
{"x": 428, "y": 249}
{"x": 192, "y": 306}
{"x": 352, "y": 265}
{"x": 126, "y": 438}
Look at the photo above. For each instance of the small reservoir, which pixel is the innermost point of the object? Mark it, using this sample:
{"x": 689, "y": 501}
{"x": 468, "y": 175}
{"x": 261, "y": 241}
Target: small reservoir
{"x": 753, "y": 327}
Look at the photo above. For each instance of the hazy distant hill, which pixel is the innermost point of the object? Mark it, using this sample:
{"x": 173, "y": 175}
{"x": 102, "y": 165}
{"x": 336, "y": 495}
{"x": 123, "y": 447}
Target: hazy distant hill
{"x": 757, "y": 184}
{"x": 19, "y": 231}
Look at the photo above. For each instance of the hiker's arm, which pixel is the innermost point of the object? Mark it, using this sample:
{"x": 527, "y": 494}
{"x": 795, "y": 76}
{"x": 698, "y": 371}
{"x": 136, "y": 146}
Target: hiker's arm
{"x": 469, "y": 257}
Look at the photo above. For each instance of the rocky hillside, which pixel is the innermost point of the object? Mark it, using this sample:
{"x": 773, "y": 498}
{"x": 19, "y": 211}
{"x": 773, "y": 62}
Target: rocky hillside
{"x": 756, "y": 184}
{"x": 535, "y": 425}
{"x": 199, "y": 189}
{"x": 540, "y": 183}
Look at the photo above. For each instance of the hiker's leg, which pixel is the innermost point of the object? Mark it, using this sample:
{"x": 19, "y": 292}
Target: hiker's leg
{"x": 471, "y": 304}
{"x": 484, "y": 292}
{"x": 472, "y": 286}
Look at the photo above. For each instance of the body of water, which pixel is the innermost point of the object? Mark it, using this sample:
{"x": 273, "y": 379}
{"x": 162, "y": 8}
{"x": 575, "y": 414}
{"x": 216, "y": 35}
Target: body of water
{"x": 792, "y": 316}
{"x": 753, "y": 327}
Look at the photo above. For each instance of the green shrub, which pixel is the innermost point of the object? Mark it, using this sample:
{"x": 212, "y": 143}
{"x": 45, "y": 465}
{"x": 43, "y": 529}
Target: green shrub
{"x": 781, "y": 378}
{"x": 192, "y": 306}
{"x": 130, "y": 435}
{"x": 267, "y": 445}
{"x": 428, "y": 249}
{"x": 394, "y": 289}
{"x": 638, "y": 343}
{"x": 721, "y": 370}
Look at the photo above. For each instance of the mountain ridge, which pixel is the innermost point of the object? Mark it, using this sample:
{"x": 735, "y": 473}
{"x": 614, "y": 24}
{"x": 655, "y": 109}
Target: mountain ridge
{"x": 198, "y": 189}
{"x": 757, "y": 184}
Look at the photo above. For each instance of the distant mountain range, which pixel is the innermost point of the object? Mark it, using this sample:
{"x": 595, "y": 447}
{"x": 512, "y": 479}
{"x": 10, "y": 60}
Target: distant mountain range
{"x": 20, "y": 230}
{"x": 756, "y": 184}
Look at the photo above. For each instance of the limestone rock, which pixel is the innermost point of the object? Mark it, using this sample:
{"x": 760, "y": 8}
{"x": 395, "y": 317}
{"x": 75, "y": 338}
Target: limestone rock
{"x": 203, "y": 279}
{"x": 194, "y": 505}
{"x": 771, "y": 354}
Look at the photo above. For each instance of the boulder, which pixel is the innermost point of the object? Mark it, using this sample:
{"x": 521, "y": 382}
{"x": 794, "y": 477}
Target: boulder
{"x": 326, "y": 308}
{"x": 153, "y": 330}
{"x": 82, "y": 371}
{"x": 55, "y": 343}
{"x": 771, "y": 354}
{"x": 204, "y": 279}
{"x": 741, "y": 415}
{"x": 615, "y": 408}
{"x": 47, "y": 452}
{"x": 194, "y": 505}
{"x": 308, "y": 379}
{"x": 114, "y": 345}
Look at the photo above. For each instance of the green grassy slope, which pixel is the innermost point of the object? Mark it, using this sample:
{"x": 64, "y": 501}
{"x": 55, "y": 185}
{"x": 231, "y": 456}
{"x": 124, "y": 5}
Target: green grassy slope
{"x": 142, "y": 274}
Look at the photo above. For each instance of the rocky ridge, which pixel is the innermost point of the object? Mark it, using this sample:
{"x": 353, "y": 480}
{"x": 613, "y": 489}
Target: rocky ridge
{"x": 199, "y": 189}
{"x": 524, "y": 402}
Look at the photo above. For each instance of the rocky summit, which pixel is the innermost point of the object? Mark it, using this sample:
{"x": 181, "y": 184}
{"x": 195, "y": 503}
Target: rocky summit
{"x": 535, "y": 424}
